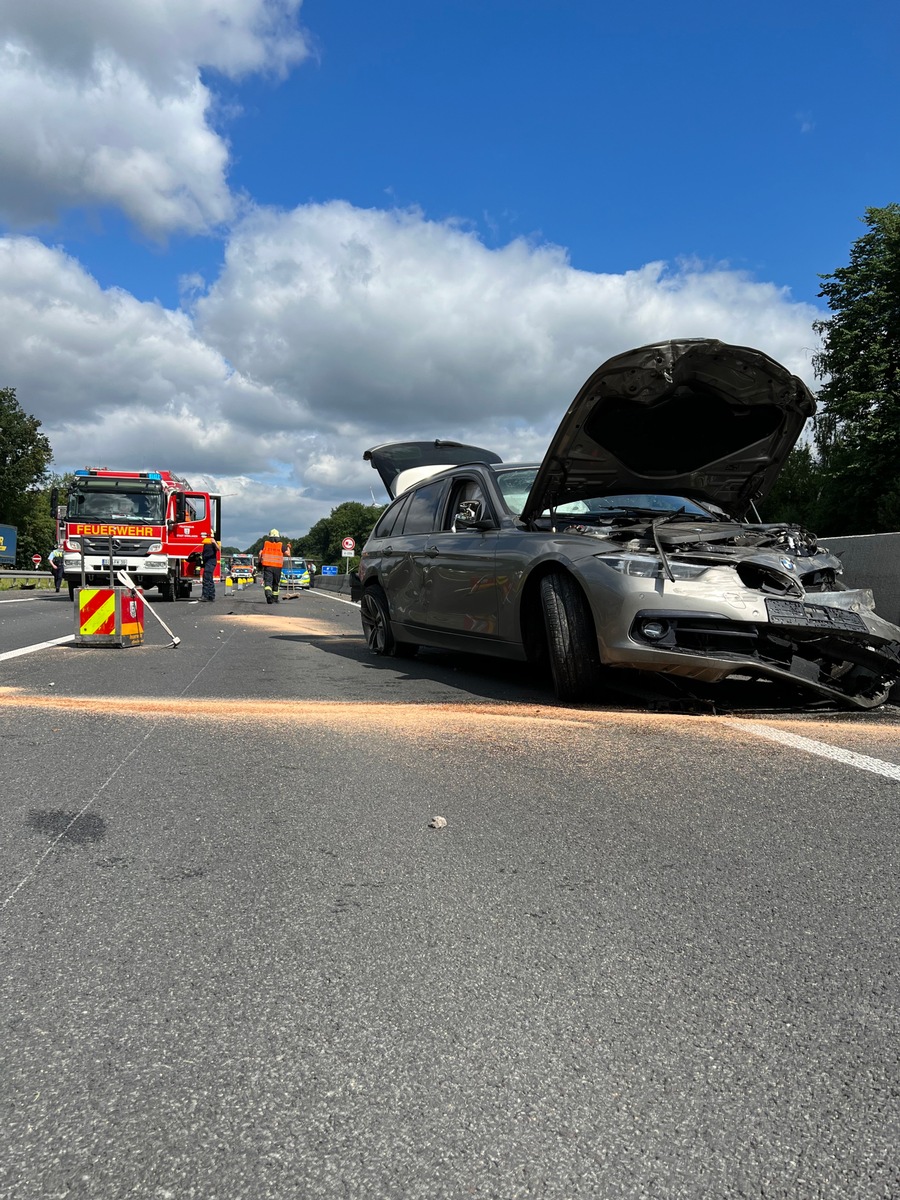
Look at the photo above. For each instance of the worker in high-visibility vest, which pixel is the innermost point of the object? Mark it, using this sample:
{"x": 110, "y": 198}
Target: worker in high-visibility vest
{"x": 271, "y": 559}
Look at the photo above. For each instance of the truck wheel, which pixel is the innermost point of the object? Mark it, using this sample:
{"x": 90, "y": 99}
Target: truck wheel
{"x": 169, "y": 590}
{"x": 571, "y": 639}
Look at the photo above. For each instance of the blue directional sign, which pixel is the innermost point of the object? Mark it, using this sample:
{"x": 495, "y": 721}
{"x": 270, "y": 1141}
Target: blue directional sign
{"x": 329, "y": 570}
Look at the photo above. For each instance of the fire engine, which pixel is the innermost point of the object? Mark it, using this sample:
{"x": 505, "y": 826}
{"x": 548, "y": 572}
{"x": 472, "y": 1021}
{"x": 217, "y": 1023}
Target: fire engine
{"x": 242, "y": 569}
{"x": 152, "y": 521}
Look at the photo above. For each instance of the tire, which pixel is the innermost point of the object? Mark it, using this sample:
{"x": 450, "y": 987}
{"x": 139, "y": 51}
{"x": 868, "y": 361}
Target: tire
{"x": 571, "y": 639}
{"x": 376, "y": 623}
{"x": 169, "y": 590}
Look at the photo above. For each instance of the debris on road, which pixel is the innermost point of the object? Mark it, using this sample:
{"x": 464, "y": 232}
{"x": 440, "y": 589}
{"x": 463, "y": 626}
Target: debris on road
{"x": 437, "y": 823}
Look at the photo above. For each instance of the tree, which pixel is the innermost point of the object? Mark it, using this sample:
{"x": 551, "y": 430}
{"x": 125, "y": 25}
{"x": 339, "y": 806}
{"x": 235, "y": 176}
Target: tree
{"x": 858, "y": 427}
{"x": 796, "y": 497}
{"x": 350, "y": 519}
{"x": 261, "y": 541}
{"x": 25, "y": 455}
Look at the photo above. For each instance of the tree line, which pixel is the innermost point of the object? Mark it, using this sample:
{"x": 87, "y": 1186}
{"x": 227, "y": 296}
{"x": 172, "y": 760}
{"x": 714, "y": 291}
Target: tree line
{"x": 323, "y": 542}
{"x": 844, "y": 478}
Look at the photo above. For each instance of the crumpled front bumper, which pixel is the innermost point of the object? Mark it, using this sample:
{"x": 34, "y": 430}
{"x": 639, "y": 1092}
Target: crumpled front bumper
{"x": 830, "y": 643}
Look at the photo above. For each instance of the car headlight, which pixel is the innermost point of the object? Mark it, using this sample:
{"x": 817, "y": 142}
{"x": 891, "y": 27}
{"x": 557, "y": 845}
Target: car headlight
{"x": 154, "y": 548}
{"x": 646, "y": 567}
{"x": 72, "y": 544}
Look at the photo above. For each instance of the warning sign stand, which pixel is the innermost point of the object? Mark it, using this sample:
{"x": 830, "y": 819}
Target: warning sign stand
{"x": 108, "y": 616}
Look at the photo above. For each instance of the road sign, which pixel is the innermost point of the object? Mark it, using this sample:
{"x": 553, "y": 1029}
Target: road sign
{"x": 348, "y": 544}
{"x": 347, "y": 553}
{"x": 35, "y": 558}
{"x": 329, "y": 571}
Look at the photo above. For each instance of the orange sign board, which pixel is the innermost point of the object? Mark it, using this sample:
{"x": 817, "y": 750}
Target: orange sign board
{"x": 114, "y": 530}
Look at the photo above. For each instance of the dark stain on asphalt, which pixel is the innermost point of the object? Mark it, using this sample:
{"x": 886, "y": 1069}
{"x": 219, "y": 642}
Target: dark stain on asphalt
{"x": 70, "y": 828}
{"x": 181, "y": 874}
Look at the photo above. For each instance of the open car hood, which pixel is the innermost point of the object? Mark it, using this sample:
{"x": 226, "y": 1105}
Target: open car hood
{"x": 694, "y": 418}
{"x": 401, "y": 464}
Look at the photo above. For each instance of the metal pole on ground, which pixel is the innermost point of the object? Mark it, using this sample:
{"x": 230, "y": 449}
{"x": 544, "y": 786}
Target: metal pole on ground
{"x": 129, "y": 583}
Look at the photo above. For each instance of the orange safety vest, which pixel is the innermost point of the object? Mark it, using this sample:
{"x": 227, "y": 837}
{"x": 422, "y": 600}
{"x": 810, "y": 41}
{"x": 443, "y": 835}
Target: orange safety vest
{"x": 272, "y": 555}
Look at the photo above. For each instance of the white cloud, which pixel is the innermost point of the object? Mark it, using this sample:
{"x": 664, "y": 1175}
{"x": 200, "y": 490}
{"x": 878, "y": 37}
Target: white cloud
{"x": 102, "y": 103}
{"x": 384, "y": 321}
{"x": 332, "y": 329}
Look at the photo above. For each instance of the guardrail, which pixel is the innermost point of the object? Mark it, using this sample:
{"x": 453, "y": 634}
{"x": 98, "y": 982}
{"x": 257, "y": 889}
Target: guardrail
{"x": 24, "y": 575}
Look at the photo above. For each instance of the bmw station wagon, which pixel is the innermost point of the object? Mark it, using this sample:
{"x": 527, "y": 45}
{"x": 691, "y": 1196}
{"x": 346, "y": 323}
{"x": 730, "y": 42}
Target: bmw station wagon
{"x": 635, "y": 543}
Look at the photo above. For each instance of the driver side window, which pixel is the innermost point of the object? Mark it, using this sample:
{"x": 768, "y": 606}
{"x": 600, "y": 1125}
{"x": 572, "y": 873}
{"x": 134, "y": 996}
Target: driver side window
{"x": 467, "y": 503}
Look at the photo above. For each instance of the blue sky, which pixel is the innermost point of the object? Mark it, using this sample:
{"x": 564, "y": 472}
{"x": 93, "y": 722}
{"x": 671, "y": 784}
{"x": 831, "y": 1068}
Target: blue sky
{"x": 252, "y": 238}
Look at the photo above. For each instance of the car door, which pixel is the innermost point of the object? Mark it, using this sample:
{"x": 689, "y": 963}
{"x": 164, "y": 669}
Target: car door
{"x": 462, "y": 591}
{"x": 404, "y": 561}
{"x": 187, "y": 531}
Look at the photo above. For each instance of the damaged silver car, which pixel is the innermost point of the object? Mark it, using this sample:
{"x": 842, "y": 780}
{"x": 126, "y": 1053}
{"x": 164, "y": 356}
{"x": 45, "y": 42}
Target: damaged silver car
{"x": 633, "y": 544}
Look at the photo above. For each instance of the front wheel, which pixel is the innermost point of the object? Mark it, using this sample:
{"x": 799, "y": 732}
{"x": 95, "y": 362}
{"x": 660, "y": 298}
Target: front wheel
{"x": 571, "y": 639}
{"x": 169, "y": 589}
{"x": 376, "y": 623}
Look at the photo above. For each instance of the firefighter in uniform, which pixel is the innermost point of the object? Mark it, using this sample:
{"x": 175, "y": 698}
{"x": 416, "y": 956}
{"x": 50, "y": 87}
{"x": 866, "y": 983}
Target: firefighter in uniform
{"x": 209, "y": 555}
{"x": 271, "y": 559}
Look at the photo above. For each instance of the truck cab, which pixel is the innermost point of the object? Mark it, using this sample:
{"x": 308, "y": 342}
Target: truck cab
{"x": 148, "y": 523}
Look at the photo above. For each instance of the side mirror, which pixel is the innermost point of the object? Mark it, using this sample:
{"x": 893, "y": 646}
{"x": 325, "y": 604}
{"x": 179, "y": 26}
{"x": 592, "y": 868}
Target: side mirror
{"x": 470, "y": 516}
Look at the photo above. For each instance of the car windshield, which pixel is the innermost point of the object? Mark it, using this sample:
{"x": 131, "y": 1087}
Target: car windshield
{"x": 516, "y": 484}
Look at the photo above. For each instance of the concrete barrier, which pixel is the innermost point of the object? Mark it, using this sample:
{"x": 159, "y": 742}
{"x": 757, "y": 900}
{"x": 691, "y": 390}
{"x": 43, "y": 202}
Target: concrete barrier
{"x": 332, "y": 583}
{"x": 872, "y": 560}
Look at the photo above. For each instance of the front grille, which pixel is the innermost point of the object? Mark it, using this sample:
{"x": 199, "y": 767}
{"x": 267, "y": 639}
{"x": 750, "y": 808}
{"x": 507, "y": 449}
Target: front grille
{"x": 121, "y": 545}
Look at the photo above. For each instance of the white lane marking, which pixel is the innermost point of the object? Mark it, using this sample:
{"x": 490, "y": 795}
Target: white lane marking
{"x": 20, "y": 600}
{"x": 70, "y": 637}
{"x": 331, "y": 596}
{"x": 848, "y": 757}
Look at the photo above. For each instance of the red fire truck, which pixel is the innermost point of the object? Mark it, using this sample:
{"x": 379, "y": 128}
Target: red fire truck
{"x": 152, "y": 522}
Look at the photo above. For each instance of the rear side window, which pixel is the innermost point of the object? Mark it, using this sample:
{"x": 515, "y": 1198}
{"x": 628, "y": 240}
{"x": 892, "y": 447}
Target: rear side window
{"x": 421, "y": 516}
{"x": 387, "y": 522}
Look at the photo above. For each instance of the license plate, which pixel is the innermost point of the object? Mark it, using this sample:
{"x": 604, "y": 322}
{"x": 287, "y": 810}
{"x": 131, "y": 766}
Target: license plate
{"x": 814, "y": 616}
{"x": 117, "y": 562}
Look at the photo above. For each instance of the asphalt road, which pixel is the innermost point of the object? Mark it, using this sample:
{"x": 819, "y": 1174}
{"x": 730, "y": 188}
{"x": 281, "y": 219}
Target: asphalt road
{"x": 650, "y": 954}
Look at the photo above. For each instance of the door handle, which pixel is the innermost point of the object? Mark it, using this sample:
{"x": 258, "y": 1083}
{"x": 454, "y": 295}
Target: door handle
{"x": 432, "y": 551}
{"x": 388, "y": 550}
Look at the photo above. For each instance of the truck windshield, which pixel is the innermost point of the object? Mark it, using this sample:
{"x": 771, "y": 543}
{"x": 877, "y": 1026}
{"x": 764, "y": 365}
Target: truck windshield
{"x": 130, "y": 504}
